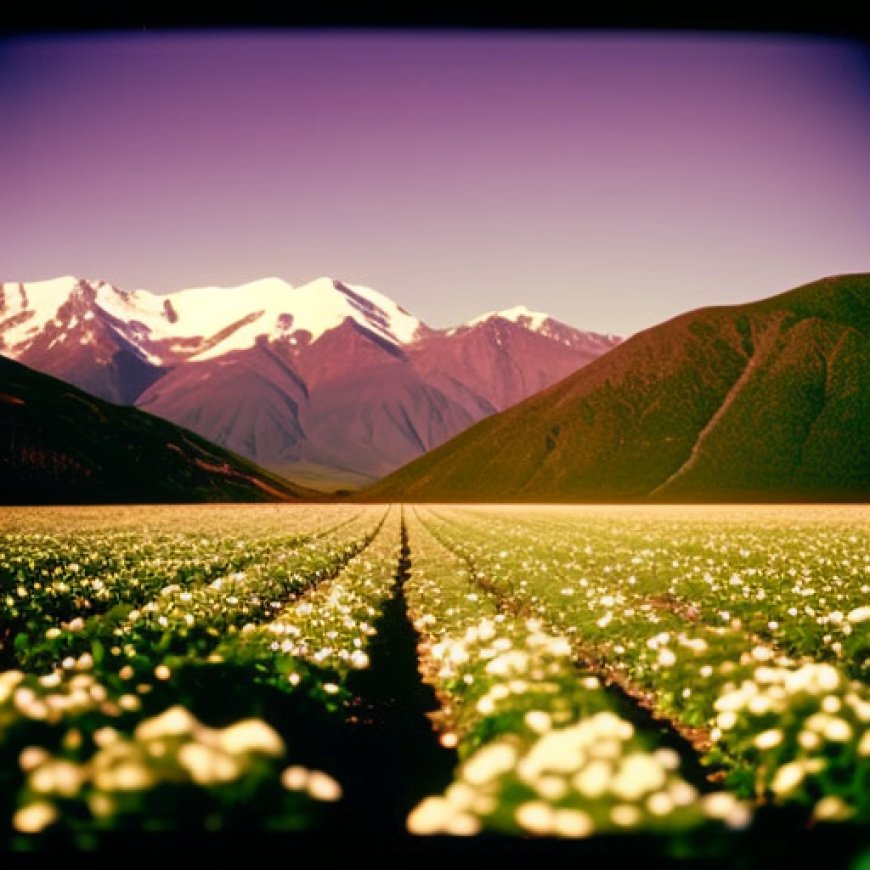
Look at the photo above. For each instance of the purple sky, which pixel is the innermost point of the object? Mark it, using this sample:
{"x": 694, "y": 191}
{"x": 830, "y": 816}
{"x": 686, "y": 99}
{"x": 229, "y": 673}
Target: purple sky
{"x": 611, "y": 180}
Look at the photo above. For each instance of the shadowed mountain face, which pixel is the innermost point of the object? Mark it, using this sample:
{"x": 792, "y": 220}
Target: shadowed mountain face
{"x": 763, "y": 401}
{"x": 328, "y": 382}
{"x": 59, "y": 445}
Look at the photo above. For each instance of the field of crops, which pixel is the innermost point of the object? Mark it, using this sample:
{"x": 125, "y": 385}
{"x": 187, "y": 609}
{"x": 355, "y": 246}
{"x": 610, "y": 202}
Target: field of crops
{"x": 666, "y": 681}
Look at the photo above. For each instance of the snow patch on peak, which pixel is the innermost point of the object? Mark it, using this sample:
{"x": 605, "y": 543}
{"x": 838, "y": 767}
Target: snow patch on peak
{"x": 312, "y": 308}
{"x": 33, "y": 305}
{"x": 533, "y": 319}
{"x": 401, "y": 325}
{"x": 64, "y": 284}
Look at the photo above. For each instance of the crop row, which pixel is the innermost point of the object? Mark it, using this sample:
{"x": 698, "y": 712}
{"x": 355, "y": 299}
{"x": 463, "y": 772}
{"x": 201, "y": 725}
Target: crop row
{"x": 787, "y": 728}
{"x": 147, "y": 717}
{"x": 543, "y": 748}
{"x": 50, "y": 580}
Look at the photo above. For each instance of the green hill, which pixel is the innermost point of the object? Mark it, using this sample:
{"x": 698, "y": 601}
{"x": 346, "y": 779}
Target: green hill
{"x": 765, "y": 401}
{"x": 61, "y": 445}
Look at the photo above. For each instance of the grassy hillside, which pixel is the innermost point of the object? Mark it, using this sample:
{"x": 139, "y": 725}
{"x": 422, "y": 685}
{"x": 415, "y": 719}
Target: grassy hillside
{"x": 765, "y": 401}
{"x": 61, "y": 445}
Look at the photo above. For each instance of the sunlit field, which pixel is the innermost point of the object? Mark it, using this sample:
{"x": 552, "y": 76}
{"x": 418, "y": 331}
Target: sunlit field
{"x": 671, "y": 681}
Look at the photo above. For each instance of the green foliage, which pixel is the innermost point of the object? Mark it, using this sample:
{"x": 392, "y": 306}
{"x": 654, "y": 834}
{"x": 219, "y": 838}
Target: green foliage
{"x": 140, "y": 692}
{"x": 59, "y": 445}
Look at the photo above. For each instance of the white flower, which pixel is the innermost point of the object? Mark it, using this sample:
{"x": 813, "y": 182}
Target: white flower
{"x": 832, "y": 808}
{"x": 295, "y": 778}
{"x": 127, "y": 776}
{"x": 571, "y": 823}
{"x": 8, "y": 681}
{"x": 718, "y": 804}
{"x": 593, "y": 779}
{"x": 251, "y": 735}
{"x": 667, "y": 657}
{"x": 558, "y": 751}
{"x": 206, "y": 765}
{"x": 510, "y": 662}
{"x": 736, "y": 700}
{"x": 838, "y": 730}
{"x": 101, "y": 805}
{"x": 813, "y": 678}
{"x": 660, "y": 803}
{"x": 106, "y": 736}
{"x": 788, "y": 778}
{"x": 538, "y": 721}
{"x": 32, "y": 756}
{"x": 34, "y": 817}
{"x": 536, "y": 817}
{"x": 859, "y": 614}
{"x": 486, "y": 705}
{"x": 551, "y": 787}
{"x": 625, "y": 815}
{"x": 726, "y": 720}
{"x": 768, "y": 739}
{"x": 430, "y": 816}
{"x": 724, "y": 806}
{"x": 611, "y": 725}
{"x": 486, "y": 630}
{"x": 809, "y": 740}
{"x": 458, "y": 654}
{"x": 831, "y": 704}
{"x": 462, "y": 825}
{"x": 57, "y": 777}
{"x": 173, "y": 722}
{"x": 759, "y": 705}
{"x": 638, "y": 774}
{"x": 322, "y": 787}
{"x": 682, "y": 793}
{"x": 668, "y": 758}
{"x": 359, "y": 659}
{"x": 489, "y": 762}
{"x": 460, "y": 795}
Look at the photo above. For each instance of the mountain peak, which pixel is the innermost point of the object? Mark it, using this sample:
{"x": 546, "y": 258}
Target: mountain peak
{"x": 278, "y": 285}
{"x": 518, "y": 314}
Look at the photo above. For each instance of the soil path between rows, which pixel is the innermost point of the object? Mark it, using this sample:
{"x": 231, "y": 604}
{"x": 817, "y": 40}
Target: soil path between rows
{"x": 391, "y": 757}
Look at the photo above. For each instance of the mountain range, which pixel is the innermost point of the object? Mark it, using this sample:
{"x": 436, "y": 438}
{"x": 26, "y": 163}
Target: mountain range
{"x": 763, "y": 401}
{"x": 327, "y": 383}
{"x": 60, "y": 445}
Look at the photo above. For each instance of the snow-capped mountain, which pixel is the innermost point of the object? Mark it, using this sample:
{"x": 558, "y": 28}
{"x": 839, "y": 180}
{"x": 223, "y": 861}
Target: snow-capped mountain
{"x": 542, "y": 324}
{"x": 327, "y": 381}
{"x": 201, "y": 323}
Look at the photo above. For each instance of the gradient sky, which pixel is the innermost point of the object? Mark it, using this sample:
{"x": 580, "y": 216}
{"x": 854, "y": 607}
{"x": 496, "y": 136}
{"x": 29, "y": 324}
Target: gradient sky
{"x": 612, "y": 180}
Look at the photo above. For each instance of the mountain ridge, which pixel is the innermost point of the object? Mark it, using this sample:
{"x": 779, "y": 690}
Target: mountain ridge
{"x": 295, "y": 362}
{"x": 59, "y": 444}
{"x": 624, "y": 428}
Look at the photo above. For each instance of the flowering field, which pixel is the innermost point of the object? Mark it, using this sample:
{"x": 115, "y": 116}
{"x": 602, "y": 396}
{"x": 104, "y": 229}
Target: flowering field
{"x": 689, "y": 680}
